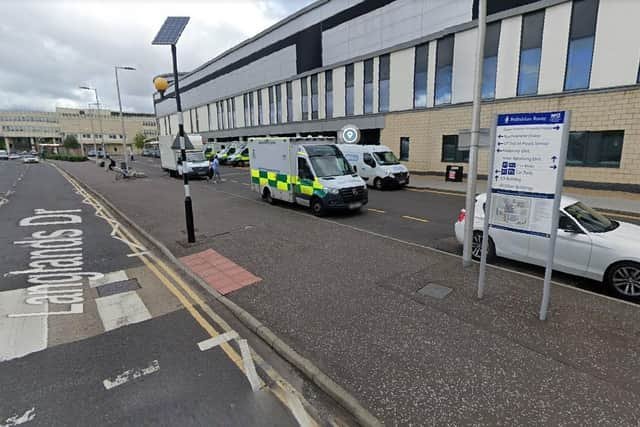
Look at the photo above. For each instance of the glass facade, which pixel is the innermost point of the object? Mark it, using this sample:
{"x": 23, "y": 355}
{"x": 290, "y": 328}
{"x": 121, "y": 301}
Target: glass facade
{"x": 314, "y": 97}
{"x": 368, "y": 86}
{"x": 530, "y": 53}
{"x": 289, "y": 102}
{"x": 595, "y": 149}
{"x": 247, "y": 113}
{"x": 328, "y": 94}
{"x": 260, "y": 119}
{"x": 490, "y": 66}
{"x": 251, "y": 109}
{"x": 420, "y": 76}
{"x": 444, "y": 70}
{"x": 581, "y": 41}
{"x": 384, "y": 75}
{"x": 272, "y": 105}
{"x": 349, "y": 90}
{"x": 278, "y": 103}
{"x": 305, "y": 98}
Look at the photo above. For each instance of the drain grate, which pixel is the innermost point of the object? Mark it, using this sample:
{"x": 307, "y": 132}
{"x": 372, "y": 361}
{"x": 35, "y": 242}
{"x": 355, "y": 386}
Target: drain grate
{"x": 118, "y": 287}
{"x": 435, "y": 290}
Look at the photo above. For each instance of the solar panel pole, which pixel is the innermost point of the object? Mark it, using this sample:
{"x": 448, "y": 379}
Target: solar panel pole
{"x": 188, "y": 208}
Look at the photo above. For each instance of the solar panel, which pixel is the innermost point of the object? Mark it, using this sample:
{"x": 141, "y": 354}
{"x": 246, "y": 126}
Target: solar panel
{"x": 171, "y": 30}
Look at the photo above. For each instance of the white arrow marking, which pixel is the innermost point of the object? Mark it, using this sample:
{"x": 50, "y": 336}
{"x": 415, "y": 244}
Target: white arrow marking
{"x": 17, "y": 420}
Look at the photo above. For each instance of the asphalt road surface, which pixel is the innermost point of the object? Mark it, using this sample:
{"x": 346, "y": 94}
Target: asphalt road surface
{"x": 75, "y": 349}
{"x": 421, "y": 216}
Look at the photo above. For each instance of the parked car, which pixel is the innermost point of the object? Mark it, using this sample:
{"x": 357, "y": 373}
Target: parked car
{"x": 30, "y": 159}
{"x": 4, "y": 155}
{"x": 589, "y": 244}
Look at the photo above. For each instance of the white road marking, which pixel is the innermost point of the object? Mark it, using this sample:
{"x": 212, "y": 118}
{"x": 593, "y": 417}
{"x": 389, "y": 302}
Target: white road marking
{"x": 216, "y": 341}
{"x": 249, "y": 367}
{"x": 3, "y": 201}
{"x": 20, "y": 336}
{"x": 131, "y": 374}
{"x": 116, "y": 276}
{"x": 143, "y": 253}
{"x": 15, "y": 420}
{"x": 121, "y": 309}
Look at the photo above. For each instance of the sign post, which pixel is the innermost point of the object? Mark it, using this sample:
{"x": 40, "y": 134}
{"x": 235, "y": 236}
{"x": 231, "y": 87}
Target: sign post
{"x": 528, "y": 157}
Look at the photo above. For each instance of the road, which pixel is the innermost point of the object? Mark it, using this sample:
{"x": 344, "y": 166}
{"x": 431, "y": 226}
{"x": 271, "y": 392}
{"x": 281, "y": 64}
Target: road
{"x": 420, "y": 216}
{"x": 97, "y": 330}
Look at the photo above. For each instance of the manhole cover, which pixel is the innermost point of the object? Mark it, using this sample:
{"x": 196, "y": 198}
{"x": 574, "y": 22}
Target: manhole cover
{"x": 435, "y": 291}
{"x": 118, "y": 287}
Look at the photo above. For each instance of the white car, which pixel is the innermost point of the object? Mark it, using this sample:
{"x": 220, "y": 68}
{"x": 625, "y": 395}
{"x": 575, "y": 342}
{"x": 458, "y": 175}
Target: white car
{"x": 30, "y": 159}
{"x": 589, "y": 245}
{"x": 4, "y": 155}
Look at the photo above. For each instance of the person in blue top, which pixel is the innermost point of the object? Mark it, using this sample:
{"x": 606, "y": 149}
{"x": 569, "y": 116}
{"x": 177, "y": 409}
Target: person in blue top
{"x": 214, "y": 170}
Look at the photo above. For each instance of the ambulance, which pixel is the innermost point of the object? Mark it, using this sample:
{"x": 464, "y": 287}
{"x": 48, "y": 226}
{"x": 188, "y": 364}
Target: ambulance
{"x": 310, "y": 171}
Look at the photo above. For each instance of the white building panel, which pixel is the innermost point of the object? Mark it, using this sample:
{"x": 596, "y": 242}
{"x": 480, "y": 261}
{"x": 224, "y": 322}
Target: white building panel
{"x": 395, "y": 23}
{"x": 617, "y": 45}
{"x": 555, "y": 40}
{"x": 309, "y": 96}
{"x": 255, "y": 108}
{"x": 321, "y": 99}
{"x": 239, "y": 112}
{"x": 338, "y": 92}
{"x": 431, "y": 72}
{"x": 265, "y": 105}
{"x": 283, "y": 91}
{"x": 401, "y": 84}
{"x": 376, "y": 79}
{"x": 213, "y": 117}
{"x": 173, "y": 124}
{"x": 203, "y": 118}
{"x": 187, "y": 121}
{"x": 464, "y": 54}
{"x": 358, "y": 85}
{"x": 508, "y": 57}
{"x": 297, "y": 100}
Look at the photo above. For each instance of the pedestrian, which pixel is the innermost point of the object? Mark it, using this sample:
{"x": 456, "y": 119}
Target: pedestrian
{"x": 215, "y": 169}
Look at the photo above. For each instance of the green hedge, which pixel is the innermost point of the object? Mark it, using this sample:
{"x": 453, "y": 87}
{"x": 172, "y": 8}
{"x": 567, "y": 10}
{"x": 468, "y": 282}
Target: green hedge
{"x": 65, "y": 157}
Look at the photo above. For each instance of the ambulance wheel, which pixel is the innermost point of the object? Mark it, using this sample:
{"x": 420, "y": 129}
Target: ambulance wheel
{"x": 266, "y": 196}
{"x": 317, "y": 207}
{"x": 377, "y": 183}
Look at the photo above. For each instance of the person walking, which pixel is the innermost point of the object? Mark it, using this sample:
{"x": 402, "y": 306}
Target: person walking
{"x": 215, "y": 170}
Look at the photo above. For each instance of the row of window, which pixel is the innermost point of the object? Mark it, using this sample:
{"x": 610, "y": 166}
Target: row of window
{"x": 588, "y": 148}
{"x": 28, "y": 119}
{"x": 148, "y": 123}
{"x": 30, "y": 129}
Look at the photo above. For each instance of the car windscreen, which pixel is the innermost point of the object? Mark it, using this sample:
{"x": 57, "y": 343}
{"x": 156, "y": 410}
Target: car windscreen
{"x": 590, "y": 219}
{"x": 195, "y": 156}
{"x": 327, "y": 160}
{"x": 386, "y": 158}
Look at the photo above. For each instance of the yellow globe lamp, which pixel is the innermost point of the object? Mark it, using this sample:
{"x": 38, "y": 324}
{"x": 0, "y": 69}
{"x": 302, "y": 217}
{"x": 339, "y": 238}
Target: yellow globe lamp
{"x": 161, "y": 84}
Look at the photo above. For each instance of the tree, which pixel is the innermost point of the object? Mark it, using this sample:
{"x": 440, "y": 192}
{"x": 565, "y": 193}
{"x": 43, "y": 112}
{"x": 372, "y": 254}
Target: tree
{"x": 138, "y": 141}
{"x": 70, "y": 143}
{"x": 2, "y": 143}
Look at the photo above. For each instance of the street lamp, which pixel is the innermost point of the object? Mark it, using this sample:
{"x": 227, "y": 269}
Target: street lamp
{"x": 124, "y": 135}
{"x": 168, "y": 35}
{"x": 93, "y": 133}
{"x": 104, "y": 152}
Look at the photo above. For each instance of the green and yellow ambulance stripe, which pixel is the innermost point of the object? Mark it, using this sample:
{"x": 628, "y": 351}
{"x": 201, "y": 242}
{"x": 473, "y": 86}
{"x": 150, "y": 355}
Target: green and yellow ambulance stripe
{"x": 284, "y": 182}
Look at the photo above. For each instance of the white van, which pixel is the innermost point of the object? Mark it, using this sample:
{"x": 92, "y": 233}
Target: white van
{"x": 376, "y": 165}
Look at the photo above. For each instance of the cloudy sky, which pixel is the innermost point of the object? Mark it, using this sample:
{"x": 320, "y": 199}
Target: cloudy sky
{"x": 50, "y": 47}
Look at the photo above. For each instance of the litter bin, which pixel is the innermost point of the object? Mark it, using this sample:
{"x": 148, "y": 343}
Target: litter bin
{"x": 453, "y": 173}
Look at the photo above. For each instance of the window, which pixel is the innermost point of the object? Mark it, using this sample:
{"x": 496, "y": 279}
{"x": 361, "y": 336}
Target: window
{"x": 595, "y": 149}
{"x": 384, "y": 75}
{"x": 530, "y": 51}
{"x": 289, "y": 102}
{"x": 420, "y": 77}
{"x": 581, "y": 39}
{"x": 328, "y": 94}
{"x": 195, "y": 113}
{"x": 304, "y": 98}
{"x": 367, "y": 159}
{"x": 450, "y": 152}
{"x": 260, "y": 106}
{"x": 230, "y": 113}
{"x": 251, "y": 109}
{"x": 247, "y": 111}
{"x": 368, "y": 86}
{"x": 220, "y": 115}
{"x": 349, "y": 90}
{"x": 404, "y": 148}
{"x": 272, "y": 105}
{"x": 278, "y": 103}
{"x": 490, "y": 66}
{"x": 191, "y": 122}
{"x": 314, "y": 97}
{"x": 444, "y": 70}
{"x": 304, "y": 171}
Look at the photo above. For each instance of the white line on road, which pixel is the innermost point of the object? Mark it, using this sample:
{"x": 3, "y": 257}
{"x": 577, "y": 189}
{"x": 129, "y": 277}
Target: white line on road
{"x": 121, "y": 309}
{"x": 116, "y": 276}
{"x": 131, "y": 374}
{"x": 15, "y": 420}
{"x": 21, "y": 336}
{"x": 249, "y": 367}
{"x": 216, "y": 341}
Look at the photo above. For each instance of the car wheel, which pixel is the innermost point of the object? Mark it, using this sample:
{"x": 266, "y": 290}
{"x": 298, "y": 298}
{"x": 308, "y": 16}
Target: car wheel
{"x": 317, "y": 207}
{"x": 377, "y": 183}
{"x": 623, "y": 279}
{"x": 266, "y": 196}
{"x": 476, "y": 247}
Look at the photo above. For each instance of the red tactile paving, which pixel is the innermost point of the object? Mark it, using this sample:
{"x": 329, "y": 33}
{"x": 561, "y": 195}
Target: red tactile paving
{"x": 219, "y": 272}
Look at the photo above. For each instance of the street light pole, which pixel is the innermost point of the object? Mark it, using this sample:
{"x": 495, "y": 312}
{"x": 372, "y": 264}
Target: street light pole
{"x": 104, "y": 152}
{"x": 124, "y": 135}
{"x": 475, "y": 138}
{"x": 93, "y": 134}
{"x": 188, "y": 208}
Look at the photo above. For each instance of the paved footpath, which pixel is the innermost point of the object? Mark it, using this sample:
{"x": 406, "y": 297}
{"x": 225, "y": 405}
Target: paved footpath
{"x": 97, "y": 330}
{"x": 348, "y": 299}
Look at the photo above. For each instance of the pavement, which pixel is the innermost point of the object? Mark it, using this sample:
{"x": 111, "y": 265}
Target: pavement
{"x": 372, "y": 300}
{"x": 95, "y": 329}
{"x": 616, "y": 201}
